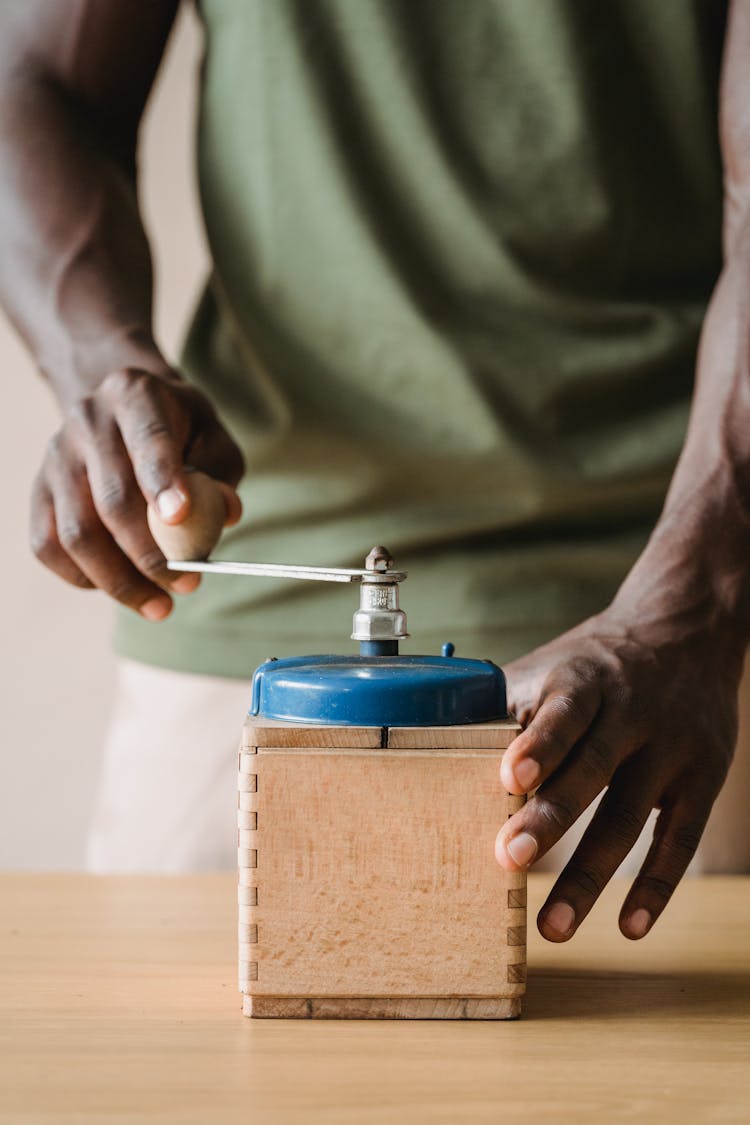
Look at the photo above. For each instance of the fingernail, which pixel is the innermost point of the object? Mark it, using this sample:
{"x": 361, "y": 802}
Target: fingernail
{"x": 526, "y": 773}
{"x": 561, "y": 918}
{"x": 186, "y": 583}
{"x": 639, "y": 923}
{"x": 156, "y": 609}
{"x": 169, "y": 501}
{"x": 522, "y": 848}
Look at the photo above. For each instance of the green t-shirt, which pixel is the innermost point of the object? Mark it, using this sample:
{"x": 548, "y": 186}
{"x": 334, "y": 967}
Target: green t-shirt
{"x": 462, "y": 250}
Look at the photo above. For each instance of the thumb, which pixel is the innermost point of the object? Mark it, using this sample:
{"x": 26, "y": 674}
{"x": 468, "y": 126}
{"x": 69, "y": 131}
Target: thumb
{"x": 173, "y": 502}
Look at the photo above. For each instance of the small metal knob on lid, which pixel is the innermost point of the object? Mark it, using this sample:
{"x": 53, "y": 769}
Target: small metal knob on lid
{"x": 379, "y": 623}
{"x": 379, "y": 559}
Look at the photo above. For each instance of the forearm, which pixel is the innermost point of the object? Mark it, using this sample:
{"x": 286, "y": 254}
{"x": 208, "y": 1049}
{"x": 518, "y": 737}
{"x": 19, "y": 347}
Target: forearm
{"x": 75, "y": 270}
{"x": 697, "y": 562}
{"x": 699, "y": 554}
{"x": 75, "y": 274}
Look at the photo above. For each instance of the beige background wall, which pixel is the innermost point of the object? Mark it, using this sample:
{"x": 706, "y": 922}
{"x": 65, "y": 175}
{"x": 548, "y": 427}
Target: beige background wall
{"x": 55, "y": 660}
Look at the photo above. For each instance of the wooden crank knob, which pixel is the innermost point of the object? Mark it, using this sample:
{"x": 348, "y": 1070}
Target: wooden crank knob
{"x": 198, "y": 534}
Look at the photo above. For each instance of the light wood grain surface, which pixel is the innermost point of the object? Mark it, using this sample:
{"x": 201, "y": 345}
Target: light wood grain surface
{"x": 118, "y": 1004}
{"x": 369, "y": 854}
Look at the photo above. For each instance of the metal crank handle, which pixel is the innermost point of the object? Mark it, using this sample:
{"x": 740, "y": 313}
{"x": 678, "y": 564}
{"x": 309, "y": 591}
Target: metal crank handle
{"x": 281, "y": 570}
{"x": 379, "y": 623}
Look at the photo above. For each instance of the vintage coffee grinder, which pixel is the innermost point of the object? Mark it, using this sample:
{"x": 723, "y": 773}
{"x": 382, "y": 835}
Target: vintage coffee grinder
{"x": 369, "y": 802}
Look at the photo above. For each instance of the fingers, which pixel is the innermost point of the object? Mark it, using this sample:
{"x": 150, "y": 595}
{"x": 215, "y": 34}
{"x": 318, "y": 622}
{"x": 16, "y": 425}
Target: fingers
{"x": 233, "y": 504}
{"x": 122, "y": 509}
{"x": 214, "y": 452}
{"x": 119, "y": 502}
{"x": 560, "y": 801}
{"x": 676, "y": 838}
{"x": 616, "y": 826}
{"x": 45, "y": 542}
{"x": 614, "y": 830}
{"x": 567, "y": 711}
{"x": 164, "y": 427}
{"x": 154, "y": 434}
{"x": 88, "y": 544}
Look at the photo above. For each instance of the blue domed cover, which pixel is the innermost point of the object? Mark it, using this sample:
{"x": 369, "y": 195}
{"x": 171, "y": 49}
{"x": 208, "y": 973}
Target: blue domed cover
{"x": 404, "y": 691}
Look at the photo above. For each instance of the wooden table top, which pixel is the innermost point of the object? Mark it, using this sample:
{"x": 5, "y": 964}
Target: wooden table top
{"x": 118, "y": 1003}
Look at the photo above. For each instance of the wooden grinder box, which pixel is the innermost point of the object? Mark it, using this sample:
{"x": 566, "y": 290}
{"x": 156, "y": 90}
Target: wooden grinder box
{"x": 368, "y": 886}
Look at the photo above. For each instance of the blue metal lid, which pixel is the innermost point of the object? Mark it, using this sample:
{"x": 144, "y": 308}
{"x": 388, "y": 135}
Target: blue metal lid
{"x": 404, "y": 691}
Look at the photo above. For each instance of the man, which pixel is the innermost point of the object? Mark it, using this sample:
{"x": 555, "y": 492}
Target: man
{"x": 462, "y": 255}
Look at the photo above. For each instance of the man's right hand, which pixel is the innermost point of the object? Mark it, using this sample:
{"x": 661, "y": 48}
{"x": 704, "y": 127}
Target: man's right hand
{"x": 119, "y": 448}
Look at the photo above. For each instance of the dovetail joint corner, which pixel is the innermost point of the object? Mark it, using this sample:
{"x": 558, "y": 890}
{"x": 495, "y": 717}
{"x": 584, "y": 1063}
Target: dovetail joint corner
{"x": 517, "y": 898}
{"x": 247, "y": 893}
{"x": 517, "y": 973}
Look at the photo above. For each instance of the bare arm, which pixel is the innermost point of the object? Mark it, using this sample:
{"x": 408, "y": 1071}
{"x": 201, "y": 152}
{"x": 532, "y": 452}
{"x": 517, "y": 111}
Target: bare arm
{"x": 75, "y": 278}
{"x": 75, "y": 271}
{"x": 642, "y": 698}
